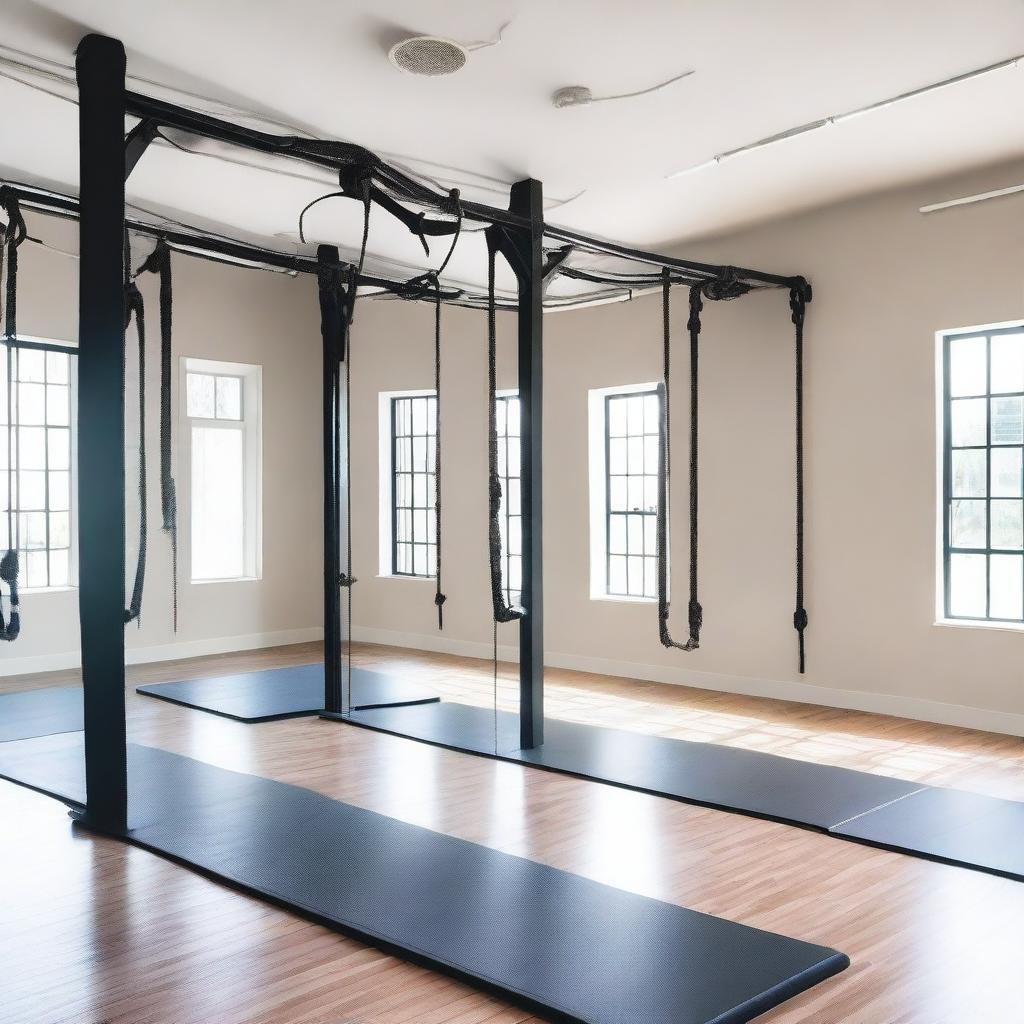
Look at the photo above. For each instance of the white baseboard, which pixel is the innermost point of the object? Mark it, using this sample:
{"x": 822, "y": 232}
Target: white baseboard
{"x": 916, "y": 708}
{"x": 167, "y": 652}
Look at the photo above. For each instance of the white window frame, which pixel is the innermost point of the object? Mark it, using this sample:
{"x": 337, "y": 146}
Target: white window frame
{"x": 251, "y": 427}
{"x": 941, "y": 618}
{"x": 71, "y": 348}
{"x": 597, "y": 428}
{"x": 385, "y": 483}
{"x": 506, "y": 555}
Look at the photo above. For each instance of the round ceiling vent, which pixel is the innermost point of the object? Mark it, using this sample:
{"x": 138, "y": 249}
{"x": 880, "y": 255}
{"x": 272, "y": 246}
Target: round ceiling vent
{"x": 428, "y": 55}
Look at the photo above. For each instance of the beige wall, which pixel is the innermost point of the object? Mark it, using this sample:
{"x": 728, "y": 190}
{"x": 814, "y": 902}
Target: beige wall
{"x": 220, "y": 313}
{"x": 886, "y": 279}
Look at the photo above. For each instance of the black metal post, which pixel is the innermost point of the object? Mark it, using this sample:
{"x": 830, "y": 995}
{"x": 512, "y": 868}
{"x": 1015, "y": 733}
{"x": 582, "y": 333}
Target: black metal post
{"x": 331, "y": 330}
{"x": 527, "y": 201}
{"x": 100, "y": 68}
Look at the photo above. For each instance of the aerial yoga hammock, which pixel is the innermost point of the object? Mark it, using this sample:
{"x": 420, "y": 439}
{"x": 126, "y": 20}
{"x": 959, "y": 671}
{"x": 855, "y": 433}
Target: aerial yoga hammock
{"x": 720, "y": 289}
{"x": 11, "y": 238}
{"x": 158, "y": 262}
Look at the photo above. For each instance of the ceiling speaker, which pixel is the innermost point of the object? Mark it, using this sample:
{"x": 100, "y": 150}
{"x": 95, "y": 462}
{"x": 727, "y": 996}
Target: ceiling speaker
{"x": 428, "y": 55}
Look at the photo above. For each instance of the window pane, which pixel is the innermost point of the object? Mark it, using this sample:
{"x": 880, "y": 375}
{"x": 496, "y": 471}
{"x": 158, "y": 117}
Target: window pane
{"x": 60, "y": 568}
{"x": 229, "y": 398}
{"x": 617, "y": 535}
{"x": 1006, "y": 587}
{"x": 616, "y": 575}
{"x": 635, "y": 535}
{"x": 31, "y": 365}
{"x": 218, "y": 523}
{"x": 57, "y": 368}
{"x": 617, "y": 494}
{"x": 617, "y": 455}
{"x": 33, "y": 530}
{"x": 59, "y": 451}
{"x": 635, "y": 572}
{"x": 967, "y": 524}
{"x": 967, "y": 366}
{"x": 1007, "y": 524}
{"x": 1007, "y": 421}
{"x": 967, "y": 585}
{"x": 35, "y": 569}
{"x": 58, "y": 412}
{"x": 60, "y": 530}
{"x": 1006, "y": 472}
{"x": 968, "y": 422}
{"x": 199, "y": 395}
{"x": 969, "y": 473}
{"x": 32, "y": 448}
{"x": 617, "y": 417}
{"x": 31, "y": 407}
{"x": 33, "y": 490}
{"x": 1007, "y": 363}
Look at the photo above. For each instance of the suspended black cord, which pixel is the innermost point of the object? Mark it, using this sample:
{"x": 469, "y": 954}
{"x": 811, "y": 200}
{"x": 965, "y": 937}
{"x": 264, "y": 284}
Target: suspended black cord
{"x": 439, "y": 596}
{"x": 798, "y": 299}
{"x": 502, "y": 611}
{"x": 159, "y": 262}
{"x": 133, "y": 306}
{"x": 11, "y": 238}
{"x": 696, "y": 613}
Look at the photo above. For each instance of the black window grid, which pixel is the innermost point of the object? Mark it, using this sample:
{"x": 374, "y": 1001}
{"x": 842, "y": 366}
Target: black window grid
{"x": 41, "y": 448}
{"x": 631, "y": 497}
{"x": 509, "y": 435}
{"x": 992, "y": 443}
{"x": 413, "y": 437}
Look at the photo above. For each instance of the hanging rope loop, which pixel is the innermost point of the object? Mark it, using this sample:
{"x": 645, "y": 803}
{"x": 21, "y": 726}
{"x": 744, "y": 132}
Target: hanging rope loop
{"x": 11, "y": 236}
{"x": 799, "y": 296}
{"x": 695, "y": 612}
{"x": 503, "y": 612}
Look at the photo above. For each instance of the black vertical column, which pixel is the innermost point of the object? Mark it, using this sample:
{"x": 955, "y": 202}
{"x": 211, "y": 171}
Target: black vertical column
{"x": 527, "y": 201}
{"x": 100, "y": 68}
{"x": 332, "y": 332}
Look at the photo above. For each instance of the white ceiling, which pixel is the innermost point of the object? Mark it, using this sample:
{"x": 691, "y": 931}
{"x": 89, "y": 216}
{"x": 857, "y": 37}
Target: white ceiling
{"x": 761, "y": 66}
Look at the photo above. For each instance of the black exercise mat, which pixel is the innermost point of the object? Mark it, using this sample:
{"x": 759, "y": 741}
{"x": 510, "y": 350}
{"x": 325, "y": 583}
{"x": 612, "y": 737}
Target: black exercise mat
{"x": 41, "y": 712}
{"x": 729, "y": 778}
{"x": 561, "y": 944}
{"x": 949, "y": 825}
{"x": 282, "y": 693}
{"x": 54, "y": 765}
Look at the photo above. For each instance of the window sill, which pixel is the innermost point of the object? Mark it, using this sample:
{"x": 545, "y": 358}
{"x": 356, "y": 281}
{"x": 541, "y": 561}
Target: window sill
{"x": 401, "y": 576}
{"x": 229, "y": 579}
{"x": 622, "y": 599}
{"x": 34, "y": 591}
{"x": 1006, "y": 627}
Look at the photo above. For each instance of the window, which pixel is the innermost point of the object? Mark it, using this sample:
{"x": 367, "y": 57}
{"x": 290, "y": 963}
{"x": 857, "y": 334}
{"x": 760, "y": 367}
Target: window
{"x": 983, "y": 498}
{"x": 511, "y": 514}
{"x": 413, "y": 439}
{"x": 40, "y": 462}
{"x": 624, "y": 454}
{"x": 222, "y": 413}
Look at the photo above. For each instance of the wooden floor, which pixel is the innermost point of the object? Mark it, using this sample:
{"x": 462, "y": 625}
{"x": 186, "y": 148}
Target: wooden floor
{"x": 93, "y": 931}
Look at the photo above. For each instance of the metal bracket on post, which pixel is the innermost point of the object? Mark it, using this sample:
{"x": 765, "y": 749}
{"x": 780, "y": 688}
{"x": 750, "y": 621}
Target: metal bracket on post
{"x": 100, "y": 69}
{"x": 136, "y": 143}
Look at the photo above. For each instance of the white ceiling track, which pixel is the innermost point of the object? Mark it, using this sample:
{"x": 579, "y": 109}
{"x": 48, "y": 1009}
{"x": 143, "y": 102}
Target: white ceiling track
{"x": 980, "y": 197}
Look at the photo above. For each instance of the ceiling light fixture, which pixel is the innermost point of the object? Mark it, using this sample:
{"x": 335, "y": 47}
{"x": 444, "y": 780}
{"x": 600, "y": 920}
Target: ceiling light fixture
{"x": 581, "y": 96}
{"x": 825, "y": 122}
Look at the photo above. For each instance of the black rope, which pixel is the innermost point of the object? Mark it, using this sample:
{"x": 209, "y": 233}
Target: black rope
{"x": 159, "y": 262}
{"x": 696, "y": 612}
{"x": 133, "y": 306}
{"x": 502, "y": 611}
{"x": 11, "y": 238}
{"x": 439, "y": 596}
{"x": 798, "y": 299}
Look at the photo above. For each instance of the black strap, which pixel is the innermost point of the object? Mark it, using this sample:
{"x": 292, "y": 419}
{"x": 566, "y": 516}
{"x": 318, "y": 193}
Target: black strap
{"x": 439, "y": 596}
{"x": 159, "y": 262}
{"x": 11, "y": 237}
{"x": 798, "y": 299}
{"x": 502, "y": 611}
{"x": 696, "y": 612}
{"x": 134, "y": 306}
